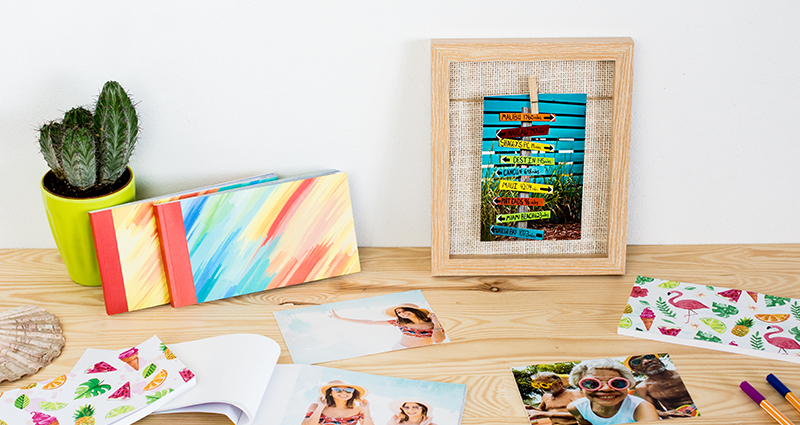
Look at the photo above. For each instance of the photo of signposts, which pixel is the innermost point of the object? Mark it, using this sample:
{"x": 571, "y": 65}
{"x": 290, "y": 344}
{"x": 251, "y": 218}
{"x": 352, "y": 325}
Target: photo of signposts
{"x": 532, "y": 167}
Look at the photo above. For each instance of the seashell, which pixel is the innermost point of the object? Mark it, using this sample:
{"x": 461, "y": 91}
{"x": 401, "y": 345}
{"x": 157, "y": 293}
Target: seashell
{"x": 30, "y": 339}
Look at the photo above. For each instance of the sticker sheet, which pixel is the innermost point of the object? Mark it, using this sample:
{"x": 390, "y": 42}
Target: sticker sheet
{"x": 733, "y": 320}
{"x": 618, "y": 390}
{"x": 532, "y": 167}
{"x": 110, "y": 389}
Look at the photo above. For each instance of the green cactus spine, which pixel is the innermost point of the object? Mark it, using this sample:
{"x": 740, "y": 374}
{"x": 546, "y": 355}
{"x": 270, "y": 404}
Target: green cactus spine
{"x": 117, "y": 126}
{"x": 50, "y": 138}
{"x": 78, "y": 117}
{"x": 78, "y": 157}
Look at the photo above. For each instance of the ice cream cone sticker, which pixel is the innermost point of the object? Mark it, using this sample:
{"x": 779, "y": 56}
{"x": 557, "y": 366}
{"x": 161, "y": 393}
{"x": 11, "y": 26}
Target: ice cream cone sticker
{"x": 647, "y": 317}
{"x": 131, "y": 357}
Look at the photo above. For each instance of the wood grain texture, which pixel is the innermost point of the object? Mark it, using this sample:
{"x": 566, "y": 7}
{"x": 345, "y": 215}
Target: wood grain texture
{"x": 495, "y": 322}
{"x": 445, "y": 51}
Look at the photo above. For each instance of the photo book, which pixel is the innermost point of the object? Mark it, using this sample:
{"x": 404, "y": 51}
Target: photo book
{"x": 237, "y": 376}
{"x": 129, "y": 251}
{"x": 391, "y": 322}
{"x": 732, "y": 320}
{"x": 619, "y": 390}
{"x": 266, "y": 236}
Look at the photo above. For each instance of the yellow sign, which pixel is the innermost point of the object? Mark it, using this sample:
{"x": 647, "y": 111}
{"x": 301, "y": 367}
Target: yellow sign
{"x": 527, "y": 160}
{"x": 517, "y": 116}
{"x": 522, "y": 144}
{"x": 525, "y": 187}
{"x": 533, "y": 215}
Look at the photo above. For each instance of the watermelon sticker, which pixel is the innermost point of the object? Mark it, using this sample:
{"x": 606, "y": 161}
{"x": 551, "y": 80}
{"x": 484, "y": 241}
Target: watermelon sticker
{"x": 101, "y": 367}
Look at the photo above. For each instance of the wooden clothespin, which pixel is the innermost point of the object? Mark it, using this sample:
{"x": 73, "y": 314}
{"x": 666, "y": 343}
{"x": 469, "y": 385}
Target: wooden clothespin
{"x": 534, "y": 93}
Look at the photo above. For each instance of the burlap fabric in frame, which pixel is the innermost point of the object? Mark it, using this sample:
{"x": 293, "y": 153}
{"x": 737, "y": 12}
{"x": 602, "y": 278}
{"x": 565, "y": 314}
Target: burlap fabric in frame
{"x": 469, "y": 82}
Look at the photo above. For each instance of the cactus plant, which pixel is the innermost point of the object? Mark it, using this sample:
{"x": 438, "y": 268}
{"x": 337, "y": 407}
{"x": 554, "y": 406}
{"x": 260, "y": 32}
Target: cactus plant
{"x": 90, "y": 152}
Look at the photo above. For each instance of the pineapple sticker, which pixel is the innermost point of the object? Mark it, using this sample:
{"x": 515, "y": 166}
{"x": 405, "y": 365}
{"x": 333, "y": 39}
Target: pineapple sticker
{"x": 167, "y": 353}
{"x": 84, "y": 415}
{"x": 742, "y": 327}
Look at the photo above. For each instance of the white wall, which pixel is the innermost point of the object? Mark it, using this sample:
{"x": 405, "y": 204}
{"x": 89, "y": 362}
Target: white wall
{"x": 231, "y": 90}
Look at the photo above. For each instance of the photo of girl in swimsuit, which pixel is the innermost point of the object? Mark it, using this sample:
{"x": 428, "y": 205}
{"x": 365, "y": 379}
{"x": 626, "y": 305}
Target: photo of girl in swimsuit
{"x": 417, "y": 326}
{"x": 318, "y": 395}
{"x": 411, "y": 411}
{"x": 340, "y": 403}
{"x": 384, "y": 323}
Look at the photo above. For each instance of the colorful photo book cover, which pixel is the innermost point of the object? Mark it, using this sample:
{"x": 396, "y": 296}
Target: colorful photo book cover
{"x": 385, "y": 323}
{"x": 733, "y": 320}
{"x": 322, "y": 395}
{"x": 267, "y": 236}
{"x": 106, "y": 388}
{"x": 619, "y": 390}
{"x": 129, "y": 250}
{"x": 532, "y": 167}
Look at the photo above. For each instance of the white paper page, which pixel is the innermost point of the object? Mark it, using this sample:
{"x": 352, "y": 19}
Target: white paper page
{"x": 230, "y": 369}
{"x": 276, "y": 398}
{"x": 232, "y": 412}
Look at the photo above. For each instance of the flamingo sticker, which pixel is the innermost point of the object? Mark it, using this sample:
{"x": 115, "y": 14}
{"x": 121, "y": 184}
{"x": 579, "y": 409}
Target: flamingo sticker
{"x": 689, "y": 305}
{"x": 782, "y": 343}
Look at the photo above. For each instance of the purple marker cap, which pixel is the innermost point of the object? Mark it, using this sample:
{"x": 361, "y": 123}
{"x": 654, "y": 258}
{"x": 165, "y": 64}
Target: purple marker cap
{"x": 750, "y": 391}
{"x": 777, "y": 384}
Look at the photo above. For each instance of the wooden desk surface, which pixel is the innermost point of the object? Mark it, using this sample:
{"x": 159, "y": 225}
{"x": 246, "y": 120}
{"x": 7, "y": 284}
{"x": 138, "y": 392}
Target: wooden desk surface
{"x": 494, "y": 322}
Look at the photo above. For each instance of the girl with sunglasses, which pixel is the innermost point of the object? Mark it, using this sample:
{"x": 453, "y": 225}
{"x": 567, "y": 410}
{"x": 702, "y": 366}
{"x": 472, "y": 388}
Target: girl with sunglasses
{"x": 340, "y": 403}
{"x": 418, "y": 326}
{"x": 411, "y": 411}
{"x": 605, "y": 384}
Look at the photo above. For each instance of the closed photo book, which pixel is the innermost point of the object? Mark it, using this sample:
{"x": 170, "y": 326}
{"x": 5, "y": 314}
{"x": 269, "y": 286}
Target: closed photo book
{"x": 129, "y": 251}
{"x": 261, "y": 237}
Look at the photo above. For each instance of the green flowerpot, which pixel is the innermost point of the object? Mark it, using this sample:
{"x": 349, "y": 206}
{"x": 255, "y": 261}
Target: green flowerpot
{"x": 69, "y": 222}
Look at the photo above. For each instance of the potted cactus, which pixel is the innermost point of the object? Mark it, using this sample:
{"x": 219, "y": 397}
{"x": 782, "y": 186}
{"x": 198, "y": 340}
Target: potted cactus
{"x": 88, "y": 156}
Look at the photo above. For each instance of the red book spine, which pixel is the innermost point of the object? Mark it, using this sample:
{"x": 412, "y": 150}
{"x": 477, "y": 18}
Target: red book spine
{"x": 175, "y": 254}
{"x": 107, "y": 251}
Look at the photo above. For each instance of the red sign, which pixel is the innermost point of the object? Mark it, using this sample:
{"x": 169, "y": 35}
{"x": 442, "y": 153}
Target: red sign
{"x": 534, "y": 130}
{"x": 531, "y": 202}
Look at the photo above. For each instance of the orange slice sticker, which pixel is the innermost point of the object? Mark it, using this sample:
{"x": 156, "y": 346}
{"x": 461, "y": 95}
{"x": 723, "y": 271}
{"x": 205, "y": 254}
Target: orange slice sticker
{"x": 772, "y": 318}
{"x": 158, "y": 380}
{"x": 55, "y": 383}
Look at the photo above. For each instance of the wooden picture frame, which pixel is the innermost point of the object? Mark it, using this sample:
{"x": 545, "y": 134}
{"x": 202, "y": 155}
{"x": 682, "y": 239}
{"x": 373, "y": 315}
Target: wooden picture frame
{"x": 452, "y": 56}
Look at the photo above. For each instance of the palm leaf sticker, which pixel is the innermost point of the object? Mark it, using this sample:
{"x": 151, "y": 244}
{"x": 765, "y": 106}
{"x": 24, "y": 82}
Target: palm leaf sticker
{"x": 642, "y": 280}
{"x": 756, "y": 342}
{"x": 796, "y": 332}
{"x": 705, "y": 336}
{"x": 22, "y": 402}
{"x": 157, "y": 396}
{"x": 773, "y": 301}
{"x": 91, "y": 388}
{"x": 724, "y": 310}
{"x": 149, "y": 370}
{"x": 664, "y": 308}
{"x": 795, "y": 310}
